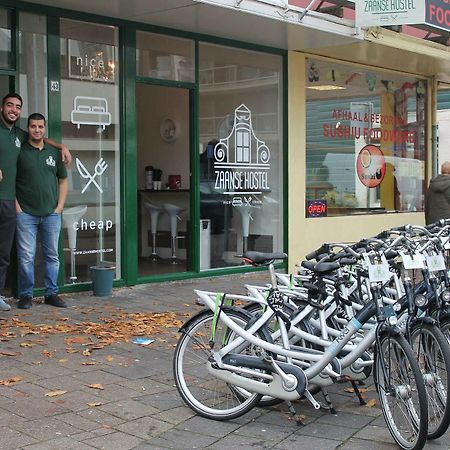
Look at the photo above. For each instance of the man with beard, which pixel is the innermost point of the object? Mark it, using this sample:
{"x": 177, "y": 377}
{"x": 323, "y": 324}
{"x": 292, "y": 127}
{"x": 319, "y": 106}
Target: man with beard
{"x": 11, "y": 140}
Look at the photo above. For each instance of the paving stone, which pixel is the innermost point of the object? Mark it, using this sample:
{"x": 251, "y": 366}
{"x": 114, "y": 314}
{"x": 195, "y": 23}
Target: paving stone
{"x": 100, "y": 417}
{"x": 307, "y": 442}
{"x": 98, "y": 376}
{"x": 46, "y": 428}
{"x": 7, "y": 419}
{"x": 373, "y": 433}
{"x": 147, "y": 386}
{"x": 358, "y": 444}
{"x": 234, "y": 441}
{"x": 114, "y": 441}
{"x": 145, "y": 427}
{"x": 13, "y": 439}
{"x": 209, "y": 427}
{"x": 267, "y": 431}
{"x": 175, "y": 415}
{"x": 167, "y": 400}
{"x": 78, "y": 400}
{"x": 63, "y": 443}
{"x": 178, "y": 439}
{"x": 128, "y": 409}
{"x": 78, "y": 421}
{"x": 346, "y": 419}
{"x": 34, "y": 409}
{"x": 327, "y": 431}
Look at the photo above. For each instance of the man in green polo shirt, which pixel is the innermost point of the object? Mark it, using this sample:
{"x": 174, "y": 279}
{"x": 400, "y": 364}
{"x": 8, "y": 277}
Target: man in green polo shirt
{"x": 11, "y": 139}
{"x": 41, "y": 191}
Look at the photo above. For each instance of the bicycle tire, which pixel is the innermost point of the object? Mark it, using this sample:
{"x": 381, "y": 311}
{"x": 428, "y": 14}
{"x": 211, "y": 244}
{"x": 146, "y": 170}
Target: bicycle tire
{"x": 401, "y": 392}
{"x": 433, "y": 355}
{"x": 208, "y": 396}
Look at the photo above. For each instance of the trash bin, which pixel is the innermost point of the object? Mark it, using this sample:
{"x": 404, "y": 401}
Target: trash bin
{"x": 102, "y": 280}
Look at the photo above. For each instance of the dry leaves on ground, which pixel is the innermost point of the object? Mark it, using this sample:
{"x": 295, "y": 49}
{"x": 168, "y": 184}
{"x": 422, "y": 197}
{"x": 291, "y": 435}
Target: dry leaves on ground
{"x": 10, "y": 381}
{"x": 96, "y": 386}
{"x": 55, "y": 393}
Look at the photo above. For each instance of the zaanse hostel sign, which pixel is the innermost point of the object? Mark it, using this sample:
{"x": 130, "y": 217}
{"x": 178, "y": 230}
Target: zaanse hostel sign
{"x": 435, "y": 13}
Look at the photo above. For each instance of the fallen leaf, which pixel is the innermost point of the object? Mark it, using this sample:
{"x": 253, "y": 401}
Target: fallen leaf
{"x": 109, "y": 358}
{"x": 10, "y": 381}
{"x": 62, "y": 360}
{"x": 47, "y": 353}
{"x": 88, "y": 363}
{"x": 96, "y": 386}
{"x": 352, "y": 391}
{"x": 9, "y": 353}
{"x": 71, "y": 350}
{"x": 371, "y": 403}
{"x": 87, "y": 352}
{"x": 54, "y": 393}
{"x": 95, "y": 404}
{"x": 26, "y": 344}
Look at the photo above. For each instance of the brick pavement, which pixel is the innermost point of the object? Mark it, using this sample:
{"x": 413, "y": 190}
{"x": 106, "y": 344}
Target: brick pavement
{"x": 69, "y": 380}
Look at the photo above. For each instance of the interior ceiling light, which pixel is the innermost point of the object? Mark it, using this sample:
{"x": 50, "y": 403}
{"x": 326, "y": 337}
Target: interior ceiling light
{"x": 326, "y": 87}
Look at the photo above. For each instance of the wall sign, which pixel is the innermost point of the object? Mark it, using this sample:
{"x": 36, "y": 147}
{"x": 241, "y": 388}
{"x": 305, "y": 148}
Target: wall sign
{"x": 241, "y": 162}
{"x": 91, "y": 61}
{"x": 370, "y": 166}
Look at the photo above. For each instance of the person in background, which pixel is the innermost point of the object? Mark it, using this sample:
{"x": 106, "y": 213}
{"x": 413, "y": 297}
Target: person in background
{"x": 11, "y": 139}
{"x": 437, "y": 202}
{"x": 41, "y": 190}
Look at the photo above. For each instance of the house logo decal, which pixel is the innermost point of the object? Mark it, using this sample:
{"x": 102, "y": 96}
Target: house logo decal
{"x": 241, "y": 161}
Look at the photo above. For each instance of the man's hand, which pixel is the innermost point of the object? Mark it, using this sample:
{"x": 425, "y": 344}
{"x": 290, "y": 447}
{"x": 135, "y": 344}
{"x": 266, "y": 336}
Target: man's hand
{"x": 66, "y": 156}
{"x": 1, "y": 175}
{"x": 18, "y": 208}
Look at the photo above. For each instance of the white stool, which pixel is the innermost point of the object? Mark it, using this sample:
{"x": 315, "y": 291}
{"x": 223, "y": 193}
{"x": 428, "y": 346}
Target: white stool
{"x": 70, "y": 217}
{"x": 246, "y": 214}
{"x": 173, "y": 211}
{"x": 153, "y": 211}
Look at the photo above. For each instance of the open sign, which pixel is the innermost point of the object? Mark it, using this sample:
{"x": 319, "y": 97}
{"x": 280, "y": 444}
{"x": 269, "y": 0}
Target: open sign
{"x": 316, "y": 208}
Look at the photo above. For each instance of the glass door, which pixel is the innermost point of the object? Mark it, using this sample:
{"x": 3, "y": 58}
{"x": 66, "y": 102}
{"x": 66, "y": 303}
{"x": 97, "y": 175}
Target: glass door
{"x": 163, "y": 179}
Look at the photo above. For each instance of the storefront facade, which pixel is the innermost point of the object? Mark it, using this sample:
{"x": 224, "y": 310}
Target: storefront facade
{"x": 189, "y": 149}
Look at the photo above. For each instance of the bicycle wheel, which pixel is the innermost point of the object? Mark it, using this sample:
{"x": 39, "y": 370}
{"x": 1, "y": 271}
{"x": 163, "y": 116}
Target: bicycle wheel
{"x": 204, "y": 394}
{"x": 401, "y": 391}
{"x": 445, "y": 327}
{"x": 433, "y": 355}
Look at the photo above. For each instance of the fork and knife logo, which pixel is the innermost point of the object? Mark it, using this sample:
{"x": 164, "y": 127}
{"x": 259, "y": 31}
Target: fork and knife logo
{"x": 99, "y": 169}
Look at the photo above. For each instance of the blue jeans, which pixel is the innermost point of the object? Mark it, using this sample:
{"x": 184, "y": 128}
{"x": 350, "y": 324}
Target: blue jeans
{"x": 28, "y": 227}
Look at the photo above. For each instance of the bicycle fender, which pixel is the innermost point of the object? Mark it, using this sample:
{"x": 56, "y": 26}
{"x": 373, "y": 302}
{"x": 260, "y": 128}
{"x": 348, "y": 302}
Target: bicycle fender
{"x": 428, "y": 320}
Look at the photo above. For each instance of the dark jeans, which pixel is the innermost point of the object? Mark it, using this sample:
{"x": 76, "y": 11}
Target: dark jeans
{"x": 7, "y": 229}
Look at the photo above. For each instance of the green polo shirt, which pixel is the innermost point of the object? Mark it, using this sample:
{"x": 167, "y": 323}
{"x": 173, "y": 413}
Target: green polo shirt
{"x": 37, "y": 184}
{"x": 11, "y": 140}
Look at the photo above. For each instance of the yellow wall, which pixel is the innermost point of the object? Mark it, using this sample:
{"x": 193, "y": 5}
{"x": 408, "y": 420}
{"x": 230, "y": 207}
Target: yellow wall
{"x": 305, "y": 234}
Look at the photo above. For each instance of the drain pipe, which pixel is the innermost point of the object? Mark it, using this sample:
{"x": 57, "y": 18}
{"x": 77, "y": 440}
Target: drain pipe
{"x": 306, "y": 10}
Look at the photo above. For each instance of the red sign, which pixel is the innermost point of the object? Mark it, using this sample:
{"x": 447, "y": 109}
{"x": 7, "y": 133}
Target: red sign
{"x": 316, "y": 208}
{"x": 370, "y": 166}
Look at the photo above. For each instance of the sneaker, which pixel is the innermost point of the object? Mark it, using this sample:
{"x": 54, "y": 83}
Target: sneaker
{"x": 3, "y": 305}
{"x": 24, "y": 302}
{"x": 55, "y": 300}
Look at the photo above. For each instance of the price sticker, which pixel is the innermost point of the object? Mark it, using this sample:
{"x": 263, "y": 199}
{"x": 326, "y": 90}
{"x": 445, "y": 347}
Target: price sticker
{"x": 436, "y": 262}
{"x": 379, "y": 272}
{"x": 415, "y": 261}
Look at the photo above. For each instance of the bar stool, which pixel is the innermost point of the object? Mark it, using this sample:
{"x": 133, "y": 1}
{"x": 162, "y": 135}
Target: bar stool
{"x": 70, "y": 217}
{"x": 153, "y": 211}
{"x": 246, "y": 214}
{"x": 173, "y": 211}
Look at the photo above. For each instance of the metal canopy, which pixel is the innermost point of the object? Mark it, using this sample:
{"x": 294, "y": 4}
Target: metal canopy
{"x": 256, "y": 22}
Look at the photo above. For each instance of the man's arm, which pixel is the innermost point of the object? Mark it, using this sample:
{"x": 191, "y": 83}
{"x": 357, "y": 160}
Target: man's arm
{"x": 65, "y": 153}
{"x": 63, "y": 190}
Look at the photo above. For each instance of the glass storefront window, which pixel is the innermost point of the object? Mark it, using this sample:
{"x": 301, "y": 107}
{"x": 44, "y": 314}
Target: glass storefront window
{"x": 5, "y": 39}
{"x": 91, "y": 129}
{"x": 241, "y": 142}
{"x": 33, "y": 64}
{"x": 365, "y": 139}
{"x": 165, "y": 57}
{"x": 443, "y": 122}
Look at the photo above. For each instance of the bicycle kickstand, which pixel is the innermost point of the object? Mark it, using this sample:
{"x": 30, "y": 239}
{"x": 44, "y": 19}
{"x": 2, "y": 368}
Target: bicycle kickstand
{"x": 328, "y": 401}
{"x": 362, "y": 402}
{"x": 293, "y": 412}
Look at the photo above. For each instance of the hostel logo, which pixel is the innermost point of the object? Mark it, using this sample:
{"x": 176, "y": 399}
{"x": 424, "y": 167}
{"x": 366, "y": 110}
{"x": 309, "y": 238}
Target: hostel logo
{"x": 50, "y": 161}
{"x": 370, "y": 166}
{"x": 241, "y": 161}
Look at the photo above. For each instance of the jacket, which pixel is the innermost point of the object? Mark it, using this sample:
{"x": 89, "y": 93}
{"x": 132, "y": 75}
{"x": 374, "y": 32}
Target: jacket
{"x": 437, "y": 204}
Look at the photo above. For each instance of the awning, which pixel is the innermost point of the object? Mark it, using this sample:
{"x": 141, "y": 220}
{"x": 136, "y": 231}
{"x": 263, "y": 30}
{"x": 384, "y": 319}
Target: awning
{"x": 266, "y": 23}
